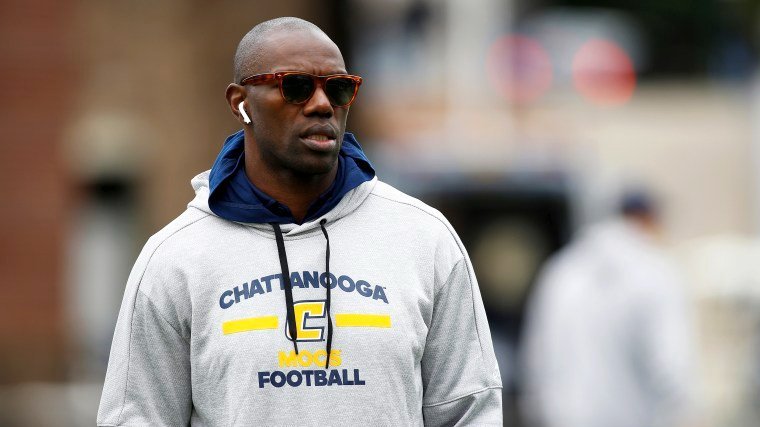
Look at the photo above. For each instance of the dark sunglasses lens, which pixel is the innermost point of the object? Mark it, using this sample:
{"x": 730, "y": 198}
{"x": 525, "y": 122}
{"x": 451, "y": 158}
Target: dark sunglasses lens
{"x": 297, "y": 88}
{"x": 340, "y": 90}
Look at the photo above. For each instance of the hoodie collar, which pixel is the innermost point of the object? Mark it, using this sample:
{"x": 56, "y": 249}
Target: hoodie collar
{"x": 233, "y": 197}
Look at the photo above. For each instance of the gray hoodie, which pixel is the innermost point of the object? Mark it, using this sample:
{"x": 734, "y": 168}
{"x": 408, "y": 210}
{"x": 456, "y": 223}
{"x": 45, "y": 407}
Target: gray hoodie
{"x": 202, "y": 336}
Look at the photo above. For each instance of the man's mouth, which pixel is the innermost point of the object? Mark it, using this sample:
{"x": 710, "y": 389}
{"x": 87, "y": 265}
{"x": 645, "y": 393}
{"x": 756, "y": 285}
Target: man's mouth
{"x": 320, "y": 138}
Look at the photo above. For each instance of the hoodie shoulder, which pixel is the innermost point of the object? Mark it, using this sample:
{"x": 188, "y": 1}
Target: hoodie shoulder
{"x": 420, "y": 217}
{"x": 392, "y": 195}
{"x": 165, "y": 255}
{"x": 171, "y": 238}
{"x": 187, "y": 219}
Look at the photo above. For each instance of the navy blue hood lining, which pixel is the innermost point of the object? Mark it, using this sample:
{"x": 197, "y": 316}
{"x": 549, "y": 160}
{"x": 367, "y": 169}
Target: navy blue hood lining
{"x": 233, "y": 197}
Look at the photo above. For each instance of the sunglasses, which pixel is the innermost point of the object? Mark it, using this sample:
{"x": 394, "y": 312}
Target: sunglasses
{"x": 297, "y": 87}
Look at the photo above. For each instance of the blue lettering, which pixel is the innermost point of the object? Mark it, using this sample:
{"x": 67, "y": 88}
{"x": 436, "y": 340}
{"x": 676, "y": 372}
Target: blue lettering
{"x": 323, "y": 280}
{"x": 277, "y": 379}
{"x": 301, "y": 279}
{"x": 357, "y": 380}
{"x": 267, "y": 281}
{"x": 295, "y": 280}
{"x": 308, "y": 375}
{"x": 346, "y": 381}
{"x": 224, "y": 304}
{"x": 334, "y": 377}
{"x": 379, "y": 294}
{"x": 362, "y": 288}
{"x": 294, "y": 382}
{"x": 342, "y": 280}
{"x": 263, "y": 378}
{"x": 311, "y": 279}
{"x": 239, "y": 293}
{"x": 255, "y": 288}
{"x": 320, "y": 378}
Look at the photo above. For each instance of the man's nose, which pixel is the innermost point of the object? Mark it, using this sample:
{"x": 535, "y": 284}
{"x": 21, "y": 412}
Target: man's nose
{"x": 318, "y": 104}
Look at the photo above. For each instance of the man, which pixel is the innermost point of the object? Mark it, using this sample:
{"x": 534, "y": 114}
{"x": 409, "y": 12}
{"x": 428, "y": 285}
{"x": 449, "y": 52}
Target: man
{"x": 607, "y": 342}
{"x": 297, "y": 288}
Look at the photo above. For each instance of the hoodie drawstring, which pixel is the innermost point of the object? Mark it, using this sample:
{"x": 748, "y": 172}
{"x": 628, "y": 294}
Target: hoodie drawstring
{"x": 291, "y": 321}
{"x": 291, "y": 317}
{"x": 327, "y": 299}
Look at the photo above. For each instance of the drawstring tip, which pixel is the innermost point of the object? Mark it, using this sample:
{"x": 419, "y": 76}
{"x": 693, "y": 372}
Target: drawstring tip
{"x": 328, "y": 347}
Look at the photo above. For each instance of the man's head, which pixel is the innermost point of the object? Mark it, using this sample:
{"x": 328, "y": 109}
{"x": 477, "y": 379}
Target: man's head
{"x": 282, "y": 135}
{"x": 639, "y": 206}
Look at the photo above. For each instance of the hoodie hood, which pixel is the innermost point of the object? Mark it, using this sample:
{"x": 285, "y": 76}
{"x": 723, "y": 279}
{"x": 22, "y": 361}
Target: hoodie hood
{"x": 233, "y": 197}
{"x": 350, "y": 202}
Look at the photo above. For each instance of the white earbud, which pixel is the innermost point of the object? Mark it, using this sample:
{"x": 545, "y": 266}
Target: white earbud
{"x": 246, "y": 119}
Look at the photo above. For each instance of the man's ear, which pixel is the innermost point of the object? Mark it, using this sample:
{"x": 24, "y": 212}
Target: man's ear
{"x": 236, "y": 95}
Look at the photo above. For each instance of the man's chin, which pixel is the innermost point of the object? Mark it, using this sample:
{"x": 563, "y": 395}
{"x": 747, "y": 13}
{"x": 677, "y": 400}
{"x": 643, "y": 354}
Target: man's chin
{"x": 316, "y": 167}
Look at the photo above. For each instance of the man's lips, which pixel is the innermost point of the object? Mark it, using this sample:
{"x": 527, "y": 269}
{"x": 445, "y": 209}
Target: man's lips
{"x": 320, "y": 137}
{"x": 320, "y": 129}
{"x": 324, "y": 144}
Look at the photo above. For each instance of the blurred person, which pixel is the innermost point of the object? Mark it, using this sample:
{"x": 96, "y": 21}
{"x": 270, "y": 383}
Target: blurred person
{"x": 608, "y": 338}
{"x": 297, "y": 288}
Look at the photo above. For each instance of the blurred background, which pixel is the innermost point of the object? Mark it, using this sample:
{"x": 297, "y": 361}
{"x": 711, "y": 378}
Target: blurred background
{"x": 523, "y": 121}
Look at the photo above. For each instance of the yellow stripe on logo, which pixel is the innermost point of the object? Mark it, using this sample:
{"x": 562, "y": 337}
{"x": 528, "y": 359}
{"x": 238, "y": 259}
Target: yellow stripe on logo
{"x": 346, "y": 320}
{"x": 249, "y": 324}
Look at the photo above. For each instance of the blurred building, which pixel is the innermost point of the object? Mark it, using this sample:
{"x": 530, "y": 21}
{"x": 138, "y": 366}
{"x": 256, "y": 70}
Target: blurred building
{"x": 37, "y": 75}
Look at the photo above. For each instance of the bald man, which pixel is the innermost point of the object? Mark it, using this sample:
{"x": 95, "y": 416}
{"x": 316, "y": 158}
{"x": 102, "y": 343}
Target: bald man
{"x": 298, "y": 289}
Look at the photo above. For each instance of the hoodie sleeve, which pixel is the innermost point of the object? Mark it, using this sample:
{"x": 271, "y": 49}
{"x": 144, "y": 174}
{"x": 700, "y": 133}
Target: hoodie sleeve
{"x": 148, "y": 377}
{"x": 461, "y": 380}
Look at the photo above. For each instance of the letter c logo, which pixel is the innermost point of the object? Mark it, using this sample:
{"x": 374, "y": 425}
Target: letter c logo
{"x": 305, "y": 311}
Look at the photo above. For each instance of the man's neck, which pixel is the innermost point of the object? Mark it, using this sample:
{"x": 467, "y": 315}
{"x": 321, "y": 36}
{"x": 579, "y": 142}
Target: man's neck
{"x": 296, "y": 191}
